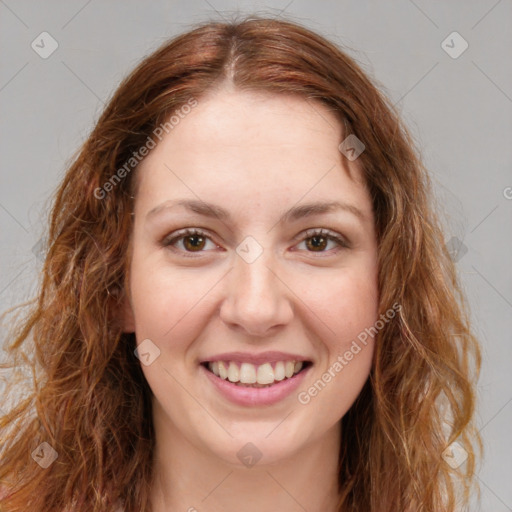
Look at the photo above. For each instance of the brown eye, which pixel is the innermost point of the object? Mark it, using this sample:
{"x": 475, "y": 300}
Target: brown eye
{"x": 317, "y": 242}
{"x": 194, "y": 242}
{"x": 188, "y": 241}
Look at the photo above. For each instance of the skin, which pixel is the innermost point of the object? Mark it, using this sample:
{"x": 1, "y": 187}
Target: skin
{"x": 256, "y": 155}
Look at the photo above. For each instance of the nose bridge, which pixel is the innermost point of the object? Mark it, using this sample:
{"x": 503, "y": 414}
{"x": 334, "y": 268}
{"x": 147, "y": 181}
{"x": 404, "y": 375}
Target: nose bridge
{"x": 256, "y": 298}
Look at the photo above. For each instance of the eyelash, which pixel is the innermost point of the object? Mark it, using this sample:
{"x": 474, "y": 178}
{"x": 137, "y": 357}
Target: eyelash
{"x": 169, "y": 241}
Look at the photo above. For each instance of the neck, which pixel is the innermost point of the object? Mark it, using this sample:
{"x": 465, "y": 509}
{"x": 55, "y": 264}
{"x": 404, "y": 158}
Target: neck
{"x": 189, "y": 479}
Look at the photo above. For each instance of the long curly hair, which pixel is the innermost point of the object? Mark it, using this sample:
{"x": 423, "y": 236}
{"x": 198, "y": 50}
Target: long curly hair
{"x": 89, "y": 400}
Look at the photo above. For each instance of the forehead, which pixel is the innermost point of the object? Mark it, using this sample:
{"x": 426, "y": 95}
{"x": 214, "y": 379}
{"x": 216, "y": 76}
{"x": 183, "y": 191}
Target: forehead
{"x": 255, "y": 146}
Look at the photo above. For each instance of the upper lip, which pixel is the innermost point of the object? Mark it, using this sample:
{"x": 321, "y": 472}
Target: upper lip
{"x": 260, "y": 358}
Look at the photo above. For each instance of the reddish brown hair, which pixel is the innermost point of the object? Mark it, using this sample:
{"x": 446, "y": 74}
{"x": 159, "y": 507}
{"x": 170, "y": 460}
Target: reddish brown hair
{"x": 90, "y": 401}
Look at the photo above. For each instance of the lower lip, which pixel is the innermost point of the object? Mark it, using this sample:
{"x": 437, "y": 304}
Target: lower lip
{"x": 256, "y": 396}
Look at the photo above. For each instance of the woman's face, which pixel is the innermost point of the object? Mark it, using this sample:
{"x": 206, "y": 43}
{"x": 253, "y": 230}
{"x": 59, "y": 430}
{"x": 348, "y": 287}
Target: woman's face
{"x": 255, "y": 287}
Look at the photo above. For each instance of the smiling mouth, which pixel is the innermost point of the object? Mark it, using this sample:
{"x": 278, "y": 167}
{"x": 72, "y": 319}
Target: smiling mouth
{"x": 256, "y": 376}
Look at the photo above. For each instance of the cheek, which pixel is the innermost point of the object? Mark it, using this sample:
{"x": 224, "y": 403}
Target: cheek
{"x": 167, "y": 302}
{"x": 346, "y": 302}
{"x": 349, "y": 307}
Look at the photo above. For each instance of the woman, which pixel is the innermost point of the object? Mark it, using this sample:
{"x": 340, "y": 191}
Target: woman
{"x": 246, "y": 301}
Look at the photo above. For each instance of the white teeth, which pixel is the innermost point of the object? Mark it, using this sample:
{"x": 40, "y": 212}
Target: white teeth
{"x": 233, "y": 372}
{"x": 255, "y": 375}
{"x": 279, "y": 371}
{"x": 265, "y": 374}
{"x": 248, "y": 374}
{"x": 223, "y": 370}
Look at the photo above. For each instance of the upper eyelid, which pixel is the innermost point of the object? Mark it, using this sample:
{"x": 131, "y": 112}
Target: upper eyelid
{"x": 182, "y": 233}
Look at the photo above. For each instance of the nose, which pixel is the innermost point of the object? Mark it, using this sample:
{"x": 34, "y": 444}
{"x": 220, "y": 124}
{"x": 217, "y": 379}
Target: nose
{"x": 257, "y": 299}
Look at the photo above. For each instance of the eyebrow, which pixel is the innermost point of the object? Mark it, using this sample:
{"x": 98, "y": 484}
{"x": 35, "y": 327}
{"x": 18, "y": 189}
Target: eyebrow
{"x": 293, "y": 214}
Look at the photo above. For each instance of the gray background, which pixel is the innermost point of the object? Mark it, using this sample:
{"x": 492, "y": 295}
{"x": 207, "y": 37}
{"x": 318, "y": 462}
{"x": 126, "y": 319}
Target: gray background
{"x": 458, "y": 109}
